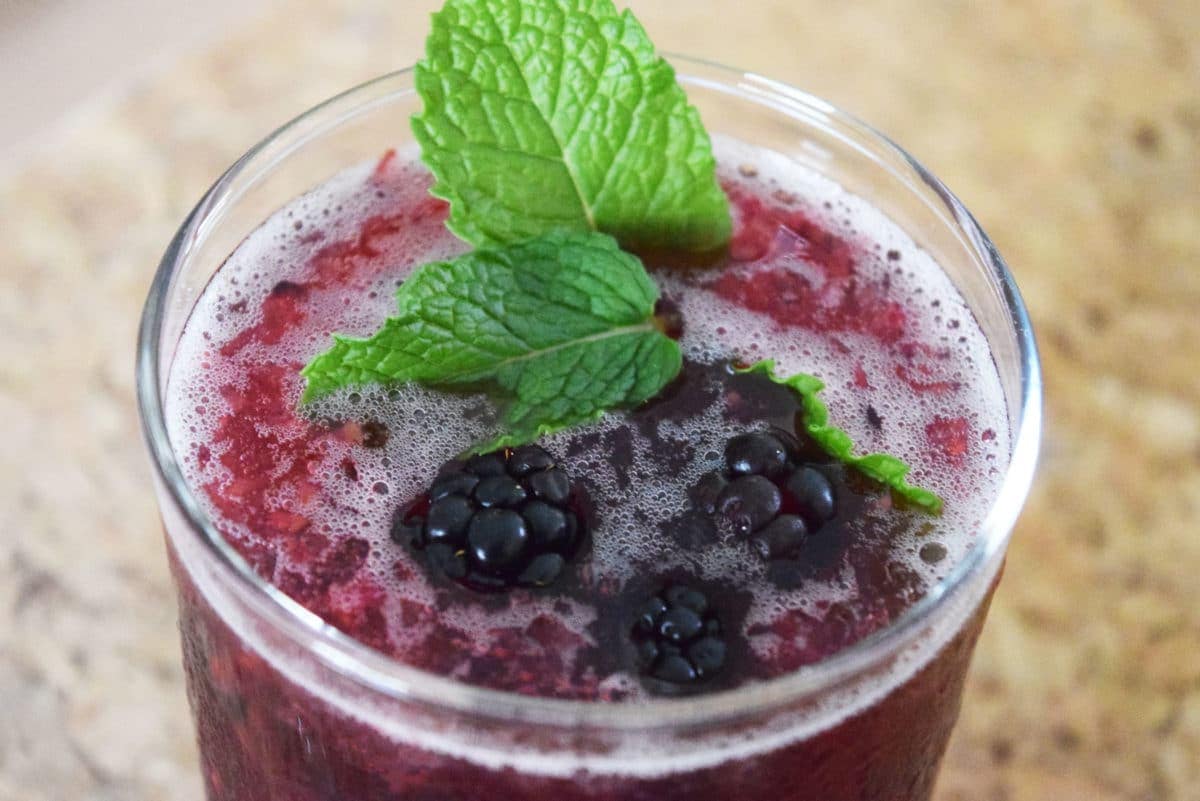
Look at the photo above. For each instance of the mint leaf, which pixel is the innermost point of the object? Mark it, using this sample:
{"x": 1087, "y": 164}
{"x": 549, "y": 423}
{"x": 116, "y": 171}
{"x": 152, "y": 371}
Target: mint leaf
{"x": 561, "y": 327}
{"x": 544, "y": 115}
{"x": 837, "y": 443}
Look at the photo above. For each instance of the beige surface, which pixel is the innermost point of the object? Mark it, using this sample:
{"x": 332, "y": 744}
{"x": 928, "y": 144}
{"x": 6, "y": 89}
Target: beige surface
{"x": 61, "y": 56}
{"x": 1071, "y": 129}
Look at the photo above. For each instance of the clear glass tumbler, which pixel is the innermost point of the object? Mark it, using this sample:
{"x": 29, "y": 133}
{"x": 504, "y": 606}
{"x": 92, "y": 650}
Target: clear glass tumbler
{"x": 287, "y": 707}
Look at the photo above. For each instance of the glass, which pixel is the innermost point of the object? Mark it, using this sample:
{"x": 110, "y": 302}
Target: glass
{"x": 287, "y": 707}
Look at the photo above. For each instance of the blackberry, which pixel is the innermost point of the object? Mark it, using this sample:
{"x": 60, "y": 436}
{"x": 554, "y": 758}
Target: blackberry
{"x": 498, "y": 520}
{"x": 768, "y": 491}
{"x": 678, "y": 637}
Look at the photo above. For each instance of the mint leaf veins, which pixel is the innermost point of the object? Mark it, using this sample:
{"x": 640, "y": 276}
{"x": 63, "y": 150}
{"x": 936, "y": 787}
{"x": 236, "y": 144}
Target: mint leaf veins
{"x": 837, "y": 443}
{"x": 543, "y": 115}
{"x": 561, "y": 328}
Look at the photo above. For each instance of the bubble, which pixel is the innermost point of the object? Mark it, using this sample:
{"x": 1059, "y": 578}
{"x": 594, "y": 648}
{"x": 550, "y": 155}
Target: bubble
{"x": 932, "y": 552}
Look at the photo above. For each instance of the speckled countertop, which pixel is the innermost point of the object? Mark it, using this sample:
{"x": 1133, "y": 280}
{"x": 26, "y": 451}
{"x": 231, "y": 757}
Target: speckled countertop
{"x": 1071, "y": 129}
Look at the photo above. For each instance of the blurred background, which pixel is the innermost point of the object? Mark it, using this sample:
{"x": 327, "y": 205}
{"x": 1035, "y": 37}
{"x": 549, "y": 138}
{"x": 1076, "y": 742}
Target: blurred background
{"x": 1070, "y": 128}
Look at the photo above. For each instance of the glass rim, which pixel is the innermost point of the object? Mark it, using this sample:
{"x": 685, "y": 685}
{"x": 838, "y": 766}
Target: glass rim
{"x": 405, "y": 683}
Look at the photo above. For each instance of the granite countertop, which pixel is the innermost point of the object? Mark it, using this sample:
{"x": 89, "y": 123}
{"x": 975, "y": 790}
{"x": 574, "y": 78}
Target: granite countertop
{"x": 1072, "y": 130}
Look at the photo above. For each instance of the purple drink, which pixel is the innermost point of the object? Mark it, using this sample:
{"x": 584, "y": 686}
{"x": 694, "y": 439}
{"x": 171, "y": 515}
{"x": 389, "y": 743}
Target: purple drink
{"x": 816, "y": 278}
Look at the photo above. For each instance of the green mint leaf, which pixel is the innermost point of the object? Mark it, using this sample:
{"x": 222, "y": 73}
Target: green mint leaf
{"x": 561, "y": 327}
{"x": 546, "y": 115}
{"x": 837, "y": 443}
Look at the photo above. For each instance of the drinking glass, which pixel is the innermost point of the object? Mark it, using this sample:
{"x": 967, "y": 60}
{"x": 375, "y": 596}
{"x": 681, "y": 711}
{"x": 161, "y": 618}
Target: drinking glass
{"x": 288, "y": 707}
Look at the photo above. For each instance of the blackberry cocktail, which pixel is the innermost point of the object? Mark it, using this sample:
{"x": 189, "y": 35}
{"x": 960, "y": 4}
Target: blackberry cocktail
{"x": 688, "y": 597}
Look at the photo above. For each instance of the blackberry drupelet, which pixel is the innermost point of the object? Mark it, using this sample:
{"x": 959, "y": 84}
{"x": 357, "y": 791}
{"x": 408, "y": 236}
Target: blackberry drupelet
{"x": 750, "y": 502}
{"x": 813, "y": 493}
{"x": 756, "y": 454}
{"x": 678, "y": 637}
{"x": 498, "y": 520}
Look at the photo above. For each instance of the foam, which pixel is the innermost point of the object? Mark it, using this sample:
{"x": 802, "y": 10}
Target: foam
{"x": 427, "y": 426}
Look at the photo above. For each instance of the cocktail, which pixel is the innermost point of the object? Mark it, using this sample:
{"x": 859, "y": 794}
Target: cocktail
{"x": 385, "y": 593}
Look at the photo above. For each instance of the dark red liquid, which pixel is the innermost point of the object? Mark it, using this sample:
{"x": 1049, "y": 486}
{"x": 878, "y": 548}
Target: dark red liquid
{"x": 263, "y": 737}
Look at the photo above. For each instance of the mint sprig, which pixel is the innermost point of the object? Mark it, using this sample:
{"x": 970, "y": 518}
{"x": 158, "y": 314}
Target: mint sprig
{"x": 837, "y": 443}
{"x": 561, "y": 328}
{"x": 544, "y": 115}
